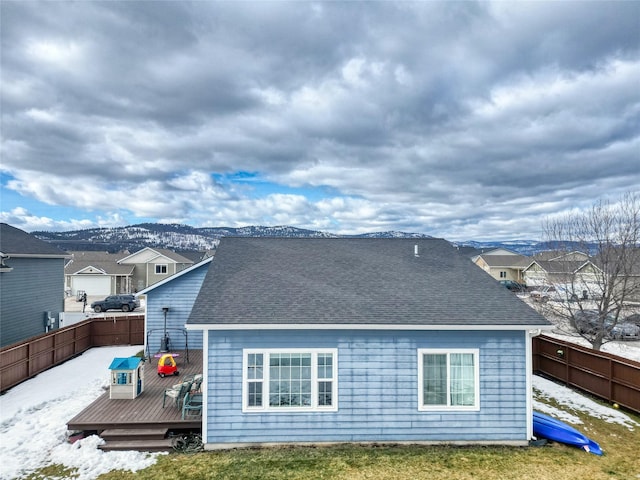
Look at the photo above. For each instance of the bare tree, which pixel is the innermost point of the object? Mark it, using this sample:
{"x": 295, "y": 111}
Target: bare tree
{"x": 593, "y": 294}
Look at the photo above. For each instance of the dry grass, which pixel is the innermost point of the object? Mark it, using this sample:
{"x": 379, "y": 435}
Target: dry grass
{"x": 393, "y": 462}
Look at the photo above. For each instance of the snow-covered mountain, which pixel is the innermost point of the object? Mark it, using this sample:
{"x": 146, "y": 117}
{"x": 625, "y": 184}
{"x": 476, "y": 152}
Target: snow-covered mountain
{"x": 184, "y": 237}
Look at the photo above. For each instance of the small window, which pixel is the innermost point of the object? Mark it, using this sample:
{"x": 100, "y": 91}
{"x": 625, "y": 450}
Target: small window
{"x": 289, "y": 380}
{"x": 121, "y": 378}
{"x": 448, "y": 380}
{"x": 161, "y": 269}
{"x": 503, "y": 274}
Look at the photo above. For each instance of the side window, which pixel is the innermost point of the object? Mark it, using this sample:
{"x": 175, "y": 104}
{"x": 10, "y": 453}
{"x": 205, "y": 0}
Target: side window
{"x": 448, "y": 380}
{"x": 161, "y": 269}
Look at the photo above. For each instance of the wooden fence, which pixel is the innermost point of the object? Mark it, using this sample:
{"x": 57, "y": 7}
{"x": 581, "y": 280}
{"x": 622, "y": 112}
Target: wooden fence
{"x": 609, "y": 377}
{"x": 23, "y": 360}
{"x": 612, "y": 378}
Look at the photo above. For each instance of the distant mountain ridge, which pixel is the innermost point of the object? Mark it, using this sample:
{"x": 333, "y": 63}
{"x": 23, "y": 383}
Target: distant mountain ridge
{"x": 184, "y": 237}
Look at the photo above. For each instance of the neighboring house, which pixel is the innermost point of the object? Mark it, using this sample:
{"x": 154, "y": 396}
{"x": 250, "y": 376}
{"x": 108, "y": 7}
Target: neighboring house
{"x": 152, "y": 265}
{"x": 552, "y": 268}
{"x": 360, "y": 340}
{"x": 97, "y": 273}
{"x": 176, "y": 294}
{"x": 503, "y": 264}
{"x": 31, "y": 285}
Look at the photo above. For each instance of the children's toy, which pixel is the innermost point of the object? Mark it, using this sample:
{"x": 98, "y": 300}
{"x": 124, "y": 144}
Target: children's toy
{"x": 167, "y": 365}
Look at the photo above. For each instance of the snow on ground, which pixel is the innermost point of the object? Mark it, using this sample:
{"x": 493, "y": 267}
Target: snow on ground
{"x": 576, "y": 402}
{"x": 34, "y": 414}
{"x": 563, "y": 331}
{"x": 33, "y": 417}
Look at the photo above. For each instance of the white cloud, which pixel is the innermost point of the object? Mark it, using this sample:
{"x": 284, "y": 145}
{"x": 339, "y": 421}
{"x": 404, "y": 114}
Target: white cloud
{"x": 435, "y": 116}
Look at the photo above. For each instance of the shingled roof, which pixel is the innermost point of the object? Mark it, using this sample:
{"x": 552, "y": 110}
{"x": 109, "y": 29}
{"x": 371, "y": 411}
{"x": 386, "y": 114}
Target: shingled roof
{"x": 506, "y": 261}
{"x": 107, "y": 262}
{"x": 352, "y": 281}
{"x": 18, "y": 243}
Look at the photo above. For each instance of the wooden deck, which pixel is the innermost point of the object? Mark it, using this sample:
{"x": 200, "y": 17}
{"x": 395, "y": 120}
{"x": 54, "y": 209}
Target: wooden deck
{"x": 144, "y": 412}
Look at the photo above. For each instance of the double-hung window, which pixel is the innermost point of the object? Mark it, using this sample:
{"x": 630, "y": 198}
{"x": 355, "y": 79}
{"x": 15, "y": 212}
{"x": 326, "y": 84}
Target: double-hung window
{"x": 448, "y": 379}
{"x": 290, "y": 380}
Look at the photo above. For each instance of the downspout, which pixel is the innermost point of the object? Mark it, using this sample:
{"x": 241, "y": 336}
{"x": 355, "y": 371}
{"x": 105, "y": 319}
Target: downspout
{"x": 205, "y": 385}
{"x": 529, "y": 381}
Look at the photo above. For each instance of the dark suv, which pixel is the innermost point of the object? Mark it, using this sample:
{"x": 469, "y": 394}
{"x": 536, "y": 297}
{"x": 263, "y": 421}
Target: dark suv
{"x": 125, "y": 303}
{"x": 513, "y": 286}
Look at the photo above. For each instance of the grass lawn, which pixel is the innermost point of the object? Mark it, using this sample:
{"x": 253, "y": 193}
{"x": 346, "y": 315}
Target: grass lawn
{"x": 353, "y": 462}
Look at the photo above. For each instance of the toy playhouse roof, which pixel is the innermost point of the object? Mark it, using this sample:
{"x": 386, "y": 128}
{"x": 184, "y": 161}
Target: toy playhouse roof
{"x": 128, "y": 363}
{"x": 343, "y": 282}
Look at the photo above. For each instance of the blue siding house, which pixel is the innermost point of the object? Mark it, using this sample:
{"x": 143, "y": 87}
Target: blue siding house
{"x": 360, "y": 340}
{"x": 172, "y": 299}
{"x": 31, "y": 285}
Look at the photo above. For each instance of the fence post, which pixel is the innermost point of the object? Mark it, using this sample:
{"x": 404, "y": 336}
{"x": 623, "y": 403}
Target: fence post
{"x": 610, "y": 381}
{"x": 567, "y": 361}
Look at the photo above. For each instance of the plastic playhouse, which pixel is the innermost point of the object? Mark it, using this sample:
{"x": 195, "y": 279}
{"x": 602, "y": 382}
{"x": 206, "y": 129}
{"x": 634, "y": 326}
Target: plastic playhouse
{"x": 127, "y": 378}
{"x": 167, "y": 365}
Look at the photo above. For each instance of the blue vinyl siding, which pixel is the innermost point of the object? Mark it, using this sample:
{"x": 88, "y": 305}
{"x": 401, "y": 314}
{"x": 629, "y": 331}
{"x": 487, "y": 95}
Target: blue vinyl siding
{"x": 377, "y": 389}
{"x": 34, "y": 286}
{"x": 179, "y": 295}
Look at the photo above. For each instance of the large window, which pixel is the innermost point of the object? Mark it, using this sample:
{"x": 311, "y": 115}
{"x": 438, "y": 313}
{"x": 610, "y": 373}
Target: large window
{"x": 290, "y": 380}
{"x": 448, "y": 379}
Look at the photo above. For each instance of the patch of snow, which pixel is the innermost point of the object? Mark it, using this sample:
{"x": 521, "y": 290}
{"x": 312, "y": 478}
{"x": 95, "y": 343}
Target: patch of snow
{"x": 576, "y": 402}
{"x": 33, "y": 417}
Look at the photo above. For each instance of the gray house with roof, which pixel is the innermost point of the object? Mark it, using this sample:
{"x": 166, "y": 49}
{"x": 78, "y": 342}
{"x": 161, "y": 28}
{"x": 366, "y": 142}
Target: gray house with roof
{"x": 31, "y": 285}
{"x": 151, "y": 265}
{"x": 360, "y": 340}
{"x": 502, "y": 264}
{"x": 98, "y": 274}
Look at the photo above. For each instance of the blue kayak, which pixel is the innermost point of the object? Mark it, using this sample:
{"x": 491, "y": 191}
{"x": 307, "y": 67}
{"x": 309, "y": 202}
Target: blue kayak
{"x": 548, "y": 427}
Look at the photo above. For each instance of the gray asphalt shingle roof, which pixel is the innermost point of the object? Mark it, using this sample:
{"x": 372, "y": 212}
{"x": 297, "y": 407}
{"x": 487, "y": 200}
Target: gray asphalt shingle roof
{"x": 507, "y": 261}
{"x": 107, "y": 262}
{"x": 16, "y": 242}
{"x": 352, "y": 281}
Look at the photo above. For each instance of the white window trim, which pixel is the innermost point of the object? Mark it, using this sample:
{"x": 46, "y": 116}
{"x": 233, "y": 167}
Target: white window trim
{"x": 159, "y": 265}
{"x": 449, "y": 408}
{"x": 265, "y": 380}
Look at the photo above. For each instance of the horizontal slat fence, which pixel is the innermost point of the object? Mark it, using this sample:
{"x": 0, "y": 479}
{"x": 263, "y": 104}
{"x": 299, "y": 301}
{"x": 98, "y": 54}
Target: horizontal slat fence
{"x": 26, "y": 359}
{"x": 607, "y": 376}
{"x": 610, "y": 377}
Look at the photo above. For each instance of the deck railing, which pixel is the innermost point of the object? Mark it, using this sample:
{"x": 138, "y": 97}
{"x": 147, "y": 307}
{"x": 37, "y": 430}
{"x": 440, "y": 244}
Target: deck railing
{"x": 604, "y": 375}
{"x": 24, "y": 360}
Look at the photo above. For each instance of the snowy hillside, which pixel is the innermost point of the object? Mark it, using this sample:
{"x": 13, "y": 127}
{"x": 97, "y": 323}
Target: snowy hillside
{"x": 184, "y": 237}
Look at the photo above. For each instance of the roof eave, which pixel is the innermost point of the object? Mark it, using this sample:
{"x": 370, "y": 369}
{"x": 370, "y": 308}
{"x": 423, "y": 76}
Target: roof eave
{"x": 352, "y": 326}
{"x": 34, "y": 255}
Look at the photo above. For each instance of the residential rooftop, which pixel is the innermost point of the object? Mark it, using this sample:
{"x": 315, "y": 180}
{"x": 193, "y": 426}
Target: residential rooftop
{"x": 353, "y": 281}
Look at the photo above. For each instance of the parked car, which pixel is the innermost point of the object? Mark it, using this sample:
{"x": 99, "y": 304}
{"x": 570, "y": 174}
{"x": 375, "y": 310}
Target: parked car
{"x": 542, "y": 294}
{"x": 635, "y": 319}
{"x": 557, "y": 293}
{"x": 513, "y": 286}
{"x": 588, "y": 321}
{"x": 126, "y": 303}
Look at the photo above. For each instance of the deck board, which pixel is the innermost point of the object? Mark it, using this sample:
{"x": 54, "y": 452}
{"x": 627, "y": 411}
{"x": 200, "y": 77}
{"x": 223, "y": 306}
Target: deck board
{"x": 146, "y": 410}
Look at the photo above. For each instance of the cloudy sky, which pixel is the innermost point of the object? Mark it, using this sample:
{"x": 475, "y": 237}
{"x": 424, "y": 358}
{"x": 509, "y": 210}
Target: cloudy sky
{"x": 462, "y": 120}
